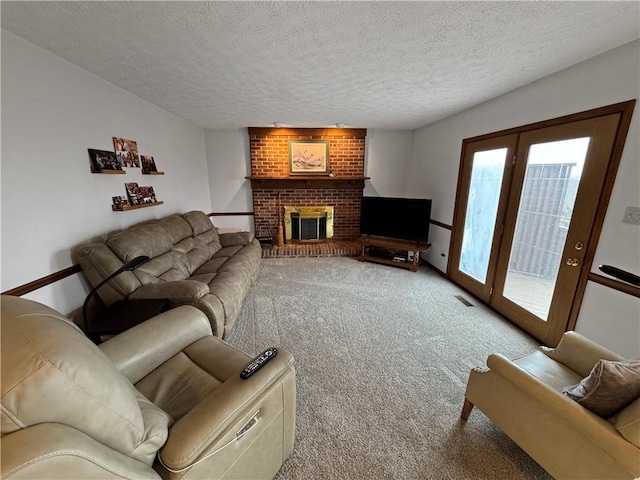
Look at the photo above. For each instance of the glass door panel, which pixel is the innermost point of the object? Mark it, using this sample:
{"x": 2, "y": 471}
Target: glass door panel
{"x": 484, "y": 190}
{"x": 547, "y": 201}
{"x": 482, "y": 209}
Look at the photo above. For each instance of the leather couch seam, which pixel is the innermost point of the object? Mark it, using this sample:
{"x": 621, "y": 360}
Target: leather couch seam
{"x": 66, "y": 378}
{"x": 76, "y": 453}
{"x": 248, "y": 447}
{"x": 10, "y": 414}
{"x": 175, "y": 397}
{"x": 197, "y": 450}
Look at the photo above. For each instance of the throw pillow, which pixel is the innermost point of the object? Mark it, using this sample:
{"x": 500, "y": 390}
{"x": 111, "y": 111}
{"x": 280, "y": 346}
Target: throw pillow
{"x": 609, "y": 387}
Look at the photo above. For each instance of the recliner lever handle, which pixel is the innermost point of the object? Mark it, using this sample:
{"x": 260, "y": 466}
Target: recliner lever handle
{"x": 248, "y": 426}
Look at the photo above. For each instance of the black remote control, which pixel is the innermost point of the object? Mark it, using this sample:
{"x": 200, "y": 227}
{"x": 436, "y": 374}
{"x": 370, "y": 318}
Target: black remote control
{"x": 258, "y": 362}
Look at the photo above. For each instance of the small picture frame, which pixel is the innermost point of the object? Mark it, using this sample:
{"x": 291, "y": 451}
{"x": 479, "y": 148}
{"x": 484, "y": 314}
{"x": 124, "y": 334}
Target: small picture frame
{"x": 146, "y": 195}
{"x": 126, "y": 152}
{"x": 308, "y": 157}
{"x": 103, "y": 160}
{"x": 133, "y": 193}
{"x": 148, "y": 164}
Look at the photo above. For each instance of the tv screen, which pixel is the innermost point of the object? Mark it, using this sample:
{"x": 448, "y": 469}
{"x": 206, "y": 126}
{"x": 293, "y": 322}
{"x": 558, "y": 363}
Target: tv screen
{"x": 401, "y": 218}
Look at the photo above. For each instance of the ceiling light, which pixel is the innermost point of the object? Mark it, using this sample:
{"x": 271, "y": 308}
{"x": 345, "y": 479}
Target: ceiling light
{"x": 278, "y": 124}
{"x": 340, "y": 125}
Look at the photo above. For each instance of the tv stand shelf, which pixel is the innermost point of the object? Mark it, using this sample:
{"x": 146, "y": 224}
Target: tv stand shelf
{"x": 393, "y": 246}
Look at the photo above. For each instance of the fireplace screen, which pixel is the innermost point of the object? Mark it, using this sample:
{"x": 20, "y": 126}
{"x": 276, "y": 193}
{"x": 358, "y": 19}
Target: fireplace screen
{"x": 308, "y": 224}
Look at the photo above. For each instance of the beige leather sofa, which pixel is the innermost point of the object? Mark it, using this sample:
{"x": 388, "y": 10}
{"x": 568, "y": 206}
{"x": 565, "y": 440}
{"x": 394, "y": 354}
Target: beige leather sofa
{"x": 190, "y": 264}
{"x": 164, "y": 391}
{"x": 523, "y": 398}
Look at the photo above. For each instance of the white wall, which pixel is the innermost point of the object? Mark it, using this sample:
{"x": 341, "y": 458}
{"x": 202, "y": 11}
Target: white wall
{"x": 387, "y": 157}
{"x": 229, "y": 160}
{"x": 603, "y": 80}
{"x": 52, "y": 112}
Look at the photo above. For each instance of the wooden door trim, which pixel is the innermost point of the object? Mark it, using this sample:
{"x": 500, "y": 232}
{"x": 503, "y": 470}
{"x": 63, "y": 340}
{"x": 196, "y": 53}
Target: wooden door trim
{"x": 625, "y": 110}
{"x": 621, "y": 107}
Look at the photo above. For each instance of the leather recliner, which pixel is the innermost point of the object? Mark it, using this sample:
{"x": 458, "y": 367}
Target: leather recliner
{"x": 523, "y": 398}
{"x": 161, "y": 400}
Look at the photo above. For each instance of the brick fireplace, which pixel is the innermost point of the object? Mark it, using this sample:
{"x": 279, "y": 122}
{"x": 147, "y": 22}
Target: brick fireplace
{"x": 274, "y": 187}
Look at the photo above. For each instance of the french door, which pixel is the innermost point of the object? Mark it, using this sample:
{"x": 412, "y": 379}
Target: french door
{"x": 526, "y": 207}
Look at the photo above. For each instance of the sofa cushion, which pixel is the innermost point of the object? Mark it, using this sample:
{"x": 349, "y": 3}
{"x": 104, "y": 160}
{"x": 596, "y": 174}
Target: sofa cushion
{"x": 199, "y": 222}
{"x": 148, "y": 239}
{"x": 212, "y": 266}
{"x": 236, "y": 238}
{"x": 204, "y": 231}
{"x": 41, "y": 384}
{"x": 195, "y": 252}
{"x": 627, "y": 422}
{"x": 609, "y": 387}
{"x": 230, "y": 286}
{"x": 168, "y": 267}
{"x": 175, "y": 227}
{"x": 98, "y": 261}
{"x": 228, "y": 251}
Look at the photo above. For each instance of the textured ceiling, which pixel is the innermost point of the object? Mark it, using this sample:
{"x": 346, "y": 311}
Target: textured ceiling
{"x": 391, "y": 65}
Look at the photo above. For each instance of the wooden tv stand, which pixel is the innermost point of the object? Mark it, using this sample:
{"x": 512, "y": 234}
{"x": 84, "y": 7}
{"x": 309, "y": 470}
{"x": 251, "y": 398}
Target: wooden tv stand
{"x": 393, "y": 245}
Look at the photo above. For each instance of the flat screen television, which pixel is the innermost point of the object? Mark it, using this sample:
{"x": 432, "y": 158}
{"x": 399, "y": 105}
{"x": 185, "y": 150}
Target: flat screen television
{"x": 401, "y": 218}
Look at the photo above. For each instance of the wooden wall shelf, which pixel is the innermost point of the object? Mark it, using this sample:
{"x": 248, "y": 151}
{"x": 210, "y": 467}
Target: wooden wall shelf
{"x": 306, "y": 182}
{"x": 126, "y": 208}
{"x": 111, "y": 172}
{"x": 152, "y": 173}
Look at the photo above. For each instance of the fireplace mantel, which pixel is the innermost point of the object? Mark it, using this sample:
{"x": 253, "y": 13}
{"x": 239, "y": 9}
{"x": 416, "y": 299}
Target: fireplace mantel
{"x": 306, "y": 182}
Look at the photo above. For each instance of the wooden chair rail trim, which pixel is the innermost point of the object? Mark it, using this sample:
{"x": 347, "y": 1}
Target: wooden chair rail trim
{"x": 43, "y": 282}
{"x": 440, "y": 224}
{"x": 615, "y": 284}
{"x": 72, "y": 270}
{"x": 230, "y": 214}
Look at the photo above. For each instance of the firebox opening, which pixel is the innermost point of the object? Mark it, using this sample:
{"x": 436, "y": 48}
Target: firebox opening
{"x": 308, "y": 224}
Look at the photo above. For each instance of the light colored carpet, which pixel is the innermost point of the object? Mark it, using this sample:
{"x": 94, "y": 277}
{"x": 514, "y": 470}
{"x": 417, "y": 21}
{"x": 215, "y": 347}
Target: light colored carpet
{"x": 382, "y": 358}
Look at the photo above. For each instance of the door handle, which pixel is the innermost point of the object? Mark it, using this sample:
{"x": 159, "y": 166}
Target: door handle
{"x": 579, "y": 246}
{"x": 573, "y": 262}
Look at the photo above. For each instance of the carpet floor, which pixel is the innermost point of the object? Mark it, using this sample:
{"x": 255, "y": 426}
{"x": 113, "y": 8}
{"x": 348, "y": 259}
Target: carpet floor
{"x": 382, "y": 359}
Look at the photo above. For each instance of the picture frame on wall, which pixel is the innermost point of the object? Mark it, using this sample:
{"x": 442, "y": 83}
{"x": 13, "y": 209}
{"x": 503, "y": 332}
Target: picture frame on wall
{"x": 126, "y": 151}
{"x": 102, "y": 160}
{"x": 148, "y": 164}
{"x": 133, "y": 193}
{"x": 308, "y": 157}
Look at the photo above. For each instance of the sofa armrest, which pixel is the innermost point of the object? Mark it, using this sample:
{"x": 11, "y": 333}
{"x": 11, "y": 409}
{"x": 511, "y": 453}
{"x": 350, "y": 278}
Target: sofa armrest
{"x": 566, "y": 411}
{"x": 141, "y": 349}
{"x": 49, "y": 450}
{"x": 579, "y": 353}
{"x": 210, "y": 420}
{"x": 235, "y": 238}
{"x": 178, "y": 292}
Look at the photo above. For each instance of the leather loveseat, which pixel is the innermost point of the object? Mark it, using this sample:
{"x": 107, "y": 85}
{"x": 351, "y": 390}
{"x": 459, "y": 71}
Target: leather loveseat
{"x": 190, "y": 264}
{"x": 524, "y": 398}
{"x": 163, "y": 399}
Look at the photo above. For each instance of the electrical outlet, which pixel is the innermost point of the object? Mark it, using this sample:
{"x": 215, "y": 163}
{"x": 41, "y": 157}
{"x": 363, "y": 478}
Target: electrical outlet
{"x": 632, "y": 215}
